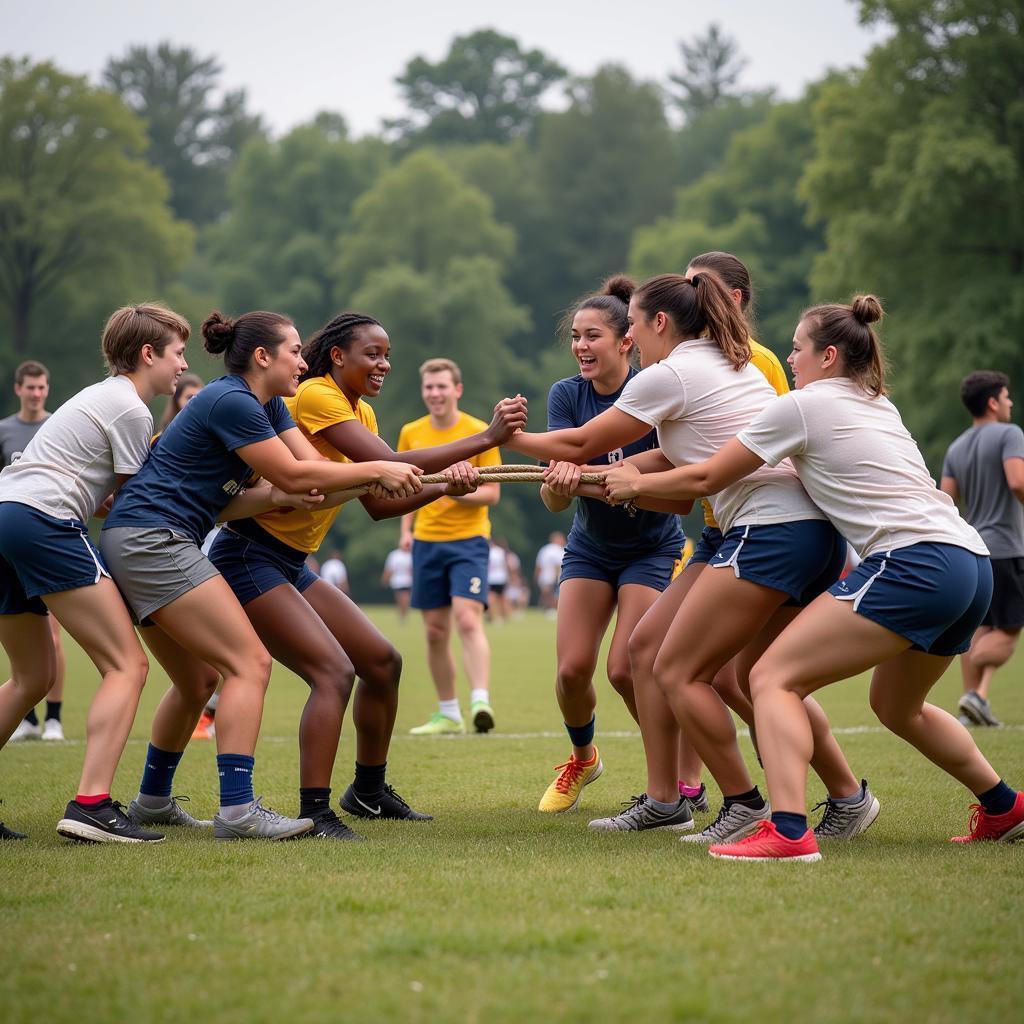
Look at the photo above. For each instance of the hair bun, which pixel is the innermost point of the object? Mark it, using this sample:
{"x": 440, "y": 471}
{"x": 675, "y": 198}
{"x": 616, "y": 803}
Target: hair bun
{"x": 218, "y": 332}
{"x": 619, "y": 285}
{"x": 867, "y": 309}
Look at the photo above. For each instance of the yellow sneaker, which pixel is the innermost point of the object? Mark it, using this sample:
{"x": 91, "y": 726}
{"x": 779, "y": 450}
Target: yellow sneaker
{"x": 564, "y": 793}
{"x": 439, "y": 725}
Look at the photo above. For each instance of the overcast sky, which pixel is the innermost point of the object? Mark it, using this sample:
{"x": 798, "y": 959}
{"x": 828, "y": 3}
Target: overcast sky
{"x": 300, "y": 56}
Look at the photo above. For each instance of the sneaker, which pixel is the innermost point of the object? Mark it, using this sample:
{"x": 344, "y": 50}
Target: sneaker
{"x": 844, "y": 821}
{"x": 965, "y": 721}
{"x": 53, "y": 731}
{"x": 439, "y": 725}
{"x": 260, "y": 822}
{"x": 9, "y": 833}
{"x": 26, "y": 731}
{"x": 973, "y": 706}
{"x": 698, "y": 802}
{"x": 104, "y": 823}
{"x": 327, "y": 825}
{"x": 172, "y": 813}
{"x": 387, "y": 806}
{"x": 564, "y": 793}
{"x": 1003, "y": 828}
{"x": 639, "y": 815}
{"x": 482, "y": 715}
{"x": 734, "y": 822}
{"x": 204, "y": 729}
{"x": 767, "y": 843}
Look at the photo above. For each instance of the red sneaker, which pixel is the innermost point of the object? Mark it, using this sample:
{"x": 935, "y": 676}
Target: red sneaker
{"x": 204, "y": 729}
{"x": 767, "y": 843}
{"x": 1003, "y": 828}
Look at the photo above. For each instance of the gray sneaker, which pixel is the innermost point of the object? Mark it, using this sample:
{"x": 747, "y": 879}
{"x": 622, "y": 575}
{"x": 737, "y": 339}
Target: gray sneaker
{"x": 171, "y": 813}
{"x": 640, "y": 815}
{"x": 734, "y": 822}
{"x": 844, "y": 821}
{"x": 260, "y": 822}
{"x": 699, "y": 803}
{"x": 973, "y": 706}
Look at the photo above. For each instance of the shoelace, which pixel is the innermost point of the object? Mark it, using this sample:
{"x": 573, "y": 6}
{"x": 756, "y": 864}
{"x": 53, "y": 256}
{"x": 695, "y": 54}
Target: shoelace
{"x": 264, "y": 812}
{"x": 828, "y": 823}
{"x": 390, "y": 792}
{"x": 715, "y": 829}
{"x": 571, "y": 771}
{"x": 635, "y": 806}
{"x": 757, "y": 835}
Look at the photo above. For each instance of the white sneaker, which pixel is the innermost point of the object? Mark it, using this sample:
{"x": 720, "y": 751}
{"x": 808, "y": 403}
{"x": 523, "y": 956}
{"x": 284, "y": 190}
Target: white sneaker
{"x": 53, "y": 730}
{"x": 26, "y": 731}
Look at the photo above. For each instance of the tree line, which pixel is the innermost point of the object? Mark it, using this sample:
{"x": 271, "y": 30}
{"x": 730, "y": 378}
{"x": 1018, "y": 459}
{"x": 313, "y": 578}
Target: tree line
{"x": 469, "y": 225}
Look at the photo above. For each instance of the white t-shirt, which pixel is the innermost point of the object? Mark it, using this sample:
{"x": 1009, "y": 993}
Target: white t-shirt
{"x": 333, "y": 571}
{"x": 398, "y": 565}
{"x": 497, "y": 566}
{"x": 698, "y": 402}
{"x": 549, "y": 561}
{"x": 860, "y": 466}
{"x": 68, "y": 469}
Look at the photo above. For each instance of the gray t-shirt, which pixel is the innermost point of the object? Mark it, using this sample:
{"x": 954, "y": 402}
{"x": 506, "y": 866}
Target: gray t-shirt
{"x": 70, "y": 466}
{"x": 15, "y": 435}
{"x": 975, "y": 461}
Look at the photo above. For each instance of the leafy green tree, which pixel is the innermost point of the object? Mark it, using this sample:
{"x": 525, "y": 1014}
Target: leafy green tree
{"x": 84, "y": 220}
{"x": 290, "y": 200}
{"x": 712, "y": 65}
{"x": 703, "y": 141}
{"x": 195, "y": 134}
{"x": 919, "y": 176}
{"x": 486, "y": 89}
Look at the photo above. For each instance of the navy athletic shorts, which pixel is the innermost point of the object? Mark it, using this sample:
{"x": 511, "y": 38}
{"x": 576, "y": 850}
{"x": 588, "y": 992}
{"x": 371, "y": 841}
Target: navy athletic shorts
{"x": 42, "y": 555}
{"x": 652, "y": 570}
{"x": 707, "y": 547}
{"x": 935, "y": 595}
{"x": 256, "y": 561}
{"x": 802, "y": 559}
{"x": 443, "y": 569}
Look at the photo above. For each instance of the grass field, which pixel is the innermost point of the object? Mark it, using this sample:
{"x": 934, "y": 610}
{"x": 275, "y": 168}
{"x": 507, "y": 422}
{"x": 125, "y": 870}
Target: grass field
{"x": 492, "y": 912}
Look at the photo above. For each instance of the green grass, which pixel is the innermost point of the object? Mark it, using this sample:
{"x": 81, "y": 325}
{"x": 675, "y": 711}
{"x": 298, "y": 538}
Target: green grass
{"x": 492, "y": 912}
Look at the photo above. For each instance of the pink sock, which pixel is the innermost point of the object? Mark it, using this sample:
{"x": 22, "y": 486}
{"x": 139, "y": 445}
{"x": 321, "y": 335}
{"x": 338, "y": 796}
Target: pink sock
{"x": 688, "y": 791}
{"x": 91, "y": 801}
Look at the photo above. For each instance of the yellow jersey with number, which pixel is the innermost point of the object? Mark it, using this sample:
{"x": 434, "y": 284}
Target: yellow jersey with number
{"x": 446, "y": 518}
{"x": 319, "y": 403}
{"x": 768, "y": 363}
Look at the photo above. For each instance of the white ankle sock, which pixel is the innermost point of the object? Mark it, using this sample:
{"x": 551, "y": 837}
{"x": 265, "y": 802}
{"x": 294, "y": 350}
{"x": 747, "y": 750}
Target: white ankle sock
{"x": 484, "y": 695}
{"x": 450, "y": 709}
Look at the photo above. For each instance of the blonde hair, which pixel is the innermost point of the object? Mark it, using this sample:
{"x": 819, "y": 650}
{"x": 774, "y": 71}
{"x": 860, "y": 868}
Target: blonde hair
{"x": 439, "y": 366}
{"x": 131, "y": 327}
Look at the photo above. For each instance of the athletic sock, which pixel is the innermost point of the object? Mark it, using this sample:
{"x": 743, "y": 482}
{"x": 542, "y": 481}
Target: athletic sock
{"x": 450, "y": 709}
{"x": 158, "y": 775}
{"x": 661, "y": 807}
{"x": 31, "y": 717}
{"x": 91, "y": 800}
{"x": 752, "y": 799}
{"x": 792, "y": 826}
{"x": 690, "y": 792}
{"x": 853, "y": 798}
{"x": 581, "y": 735}
{"x": 235, "y": 771}
{"x": 53, "y": 710}
{"x": 482, "y": 695}
{"x": 314, "y": 800}
{"x": 369, "y": 779}
{"x": 997, "y": 800}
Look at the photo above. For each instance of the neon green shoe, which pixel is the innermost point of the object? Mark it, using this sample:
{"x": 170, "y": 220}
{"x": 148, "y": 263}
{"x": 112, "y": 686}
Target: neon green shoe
{"x": 482, "y": 715}
{"x": 439, "y": 725}
{"x": 564, "y": 793}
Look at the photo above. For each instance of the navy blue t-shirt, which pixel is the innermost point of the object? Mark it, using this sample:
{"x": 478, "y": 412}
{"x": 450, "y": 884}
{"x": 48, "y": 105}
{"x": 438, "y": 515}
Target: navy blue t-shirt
{"x": 598, "y": 528}
{"x": 192, "y": 471}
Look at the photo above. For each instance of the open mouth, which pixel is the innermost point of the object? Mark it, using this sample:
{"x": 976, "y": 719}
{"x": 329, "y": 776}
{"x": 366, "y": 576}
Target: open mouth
{"x": 586, "y": 362}
{"x": 376, "y": 379}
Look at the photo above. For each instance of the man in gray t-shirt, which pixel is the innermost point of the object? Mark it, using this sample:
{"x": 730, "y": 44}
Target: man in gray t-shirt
{"x": 32, "y": 387}
{"x": 984, "y": 472}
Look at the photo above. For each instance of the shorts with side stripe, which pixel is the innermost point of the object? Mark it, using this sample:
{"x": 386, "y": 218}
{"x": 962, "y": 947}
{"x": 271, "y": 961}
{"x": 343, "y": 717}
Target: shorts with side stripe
{"x": 935, "y": 595}
{"x": 707, "y": 547}
{"x": 802, "y": 559}
{"x": 42, "y": 555}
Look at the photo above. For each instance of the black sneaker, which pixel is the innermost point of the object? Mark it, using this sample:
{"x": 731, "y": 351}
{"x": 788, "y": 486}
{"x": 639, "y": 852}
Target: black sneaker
{"x": 327, "y": 825}
{"x": 104, "y": 823}
{"x": 388, "y": 804}
{"x": 9, "y": 833}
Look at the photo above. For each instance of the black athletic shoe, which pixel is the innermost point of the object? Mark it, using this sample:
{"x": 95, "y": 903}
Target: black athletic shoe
{"x": 387, "y": 805}
{"x": 104, "y": 823}
{"x": 9, "y": 833}
{"x": 327, "y": 825}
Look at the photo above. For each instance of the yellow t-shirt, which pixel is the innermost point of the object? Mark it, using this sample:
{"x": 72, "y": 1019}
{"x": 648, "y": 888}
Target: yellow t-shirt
{"x": 768, "y": 363}
{"x": 445, "y": 518}
{"x": 319, "y": 403}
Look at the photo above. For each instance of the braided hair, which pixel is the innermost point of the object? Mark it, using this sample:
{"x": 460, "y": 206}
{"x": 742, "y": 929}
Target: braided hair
{"x": 341, "y": 332}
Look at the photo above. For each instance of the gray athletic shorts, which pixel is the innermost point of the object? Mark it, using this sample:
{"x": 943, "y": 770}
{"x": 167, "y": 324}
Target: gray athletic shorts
{"x": 153, "y": 566}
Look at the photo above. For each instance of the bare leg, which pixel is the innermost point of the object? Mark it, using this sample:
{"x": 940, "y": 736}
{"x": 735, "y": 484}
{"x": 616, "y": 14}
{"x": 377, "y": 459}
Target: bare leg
{"x": 402, "y": 604}
{"x": 633, "y": 603}
{"x": 476, "y": 651}
{"x": 438, "y": 624}
{"x": 969, "y": 672}
{"x": 989, "y": 652}
{"x": 27, "y": 640}
{"x": 56, "y": 693}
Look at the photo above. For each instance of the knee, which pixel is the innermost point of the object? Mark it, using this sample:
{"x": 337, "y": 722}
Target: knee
{"x": 641, "y": 652}
{"x": 258, "y": 666}
{"x": 573, "y": 676}
{"x": 763, "y": 680}
{"x": 385, "y": 672}
{"x": 35, "y": 684}
{"x": 469, "y": 621}
{"x": 621, "y": 679}
{"x": 437, "y": 634}
{"x": 663, "y": 677}
{"x": 888, "y": 713}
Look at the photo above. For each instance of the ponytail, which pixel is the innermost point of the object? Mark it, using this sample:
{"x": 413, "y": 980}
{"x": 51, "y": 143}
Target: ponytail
{"x": 848, "y": 329}
{"x": 699, "y": 307}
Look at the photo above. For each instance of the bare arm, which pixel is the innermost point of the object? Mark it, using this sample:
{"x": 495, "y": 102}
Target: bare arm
{"x": 654, "y": 461}
{"x": 485, "y": 494}
{"x": 948, "y": 486}
{"x": 732, "y": 462}
{"x": 405, "y": 534}
{"x": 263, "y": 497}
{"x": 563, "y": 484}
{"x": 612, "y": 429}
{"x": 1014, "y": 470}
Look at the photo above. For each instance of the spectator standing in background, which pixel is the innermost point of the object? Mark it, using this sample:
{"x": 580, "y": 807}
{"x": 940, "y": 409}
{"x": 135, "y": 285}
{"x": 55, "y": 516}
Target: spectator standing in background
{"x": 398, "y": 576}
{"x": 333, "y": 571}
{"x": 546, "y": 571}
